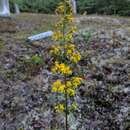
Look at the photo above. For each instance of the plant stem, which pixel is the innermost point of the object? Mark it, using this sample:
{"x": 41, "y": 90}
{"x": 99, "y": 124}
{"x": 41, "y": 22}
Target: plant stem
{"x": 66, "y": 107}
{"x": 66, "y": 113}
{"x": 66, "y": 96}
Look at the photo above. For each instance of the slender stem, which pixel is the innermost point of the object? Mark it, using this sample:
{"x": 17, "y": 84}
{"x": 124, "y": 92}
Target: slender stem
{"x": 64, "y": 26}
{"x": 66, "y": 96}
{"x": 66, "y": 107}
{"x": 66, "y": 114}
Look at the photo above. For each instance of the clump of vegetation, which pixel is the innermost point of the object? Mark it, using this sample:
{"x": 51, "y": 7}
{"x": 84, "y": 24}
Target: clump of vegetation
{"x": 89, "y": 6}
{"x": 30, "y": 66}
{"x": 86, "y": 36}
{"x": 65, "y": 58}
{"x": 33, "y": 64}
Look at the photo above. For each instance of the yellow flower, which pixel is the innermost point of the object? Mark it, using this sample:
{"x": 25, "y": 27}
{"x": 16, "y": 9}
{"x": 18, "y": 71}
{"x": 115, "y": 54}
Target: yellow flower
{"x": 70, "y": 92}
{"x": 55, "y": 68}
{"x": 68, "y": 37}
{"x": 60, "y": 8}
{"x": 75, "y": 57}
{"x": 69, "y": 51}
{"x": 55, "y": 50}
{"x": 69, "y": 18}
{"x": 73, "y": 29}
{"x": 64, "y": 6}
{"x": 72, "y": 54}
{"x": 70, "y": 48}
{"x": 58, "y": 25}
{"x": 76, "y": 81}
{"x": 58, "y": 87}
{"x": 61, "y": 68}
{"x": 59, "y": 108}
{"x": 61, "y": 89}
{"x": 68, "y": 84}
{"x": 57, "y": 35}
{"x": 67, "y": 70}
{"x": 54, "y": 89}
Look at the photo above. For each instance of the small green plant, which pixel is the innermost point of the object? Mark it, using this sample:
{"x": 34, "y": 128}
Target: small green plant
{"x": 86, "y": 36}
{"x": 36, "y": 59}
{"x": 65, "y": 57}
{"x": 33, "y": 64}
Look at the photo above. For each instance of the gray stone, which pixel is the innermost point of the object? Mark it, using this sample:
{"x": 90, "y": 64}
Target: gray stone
{"x": 121, "y": 33}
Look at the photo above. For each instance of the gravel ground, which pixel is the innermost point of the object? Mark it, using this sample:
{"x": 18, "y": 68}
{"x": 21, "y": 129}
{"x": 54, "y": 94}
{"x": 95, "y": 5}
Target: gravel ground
{"x": 104, "y": 96}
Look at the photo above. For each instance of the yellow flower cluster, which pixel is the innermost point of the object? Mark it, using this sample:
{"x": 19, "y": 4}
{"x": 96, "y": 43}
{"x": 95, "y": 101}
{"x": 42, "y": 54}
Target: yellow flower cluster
{"x": 70, "y": 48}
{"x": 73, "y": 29}
{"x": 75, "y": 57}
{"x": 69, "y": 18}
{"x": 58, "y": 87}
{"x": 74, "y": 83}
{"x": 61, "y": 68}
{"x": 65, "y": 57}
{"x": 67, "y": 88}
{"x": 70, "y": 92}
{"x": 62, "y": 88}
{"x": 59, "y": 25}
{"x": 69, "y": 35}
{"x": 57, "y": 35}
{"x": 63, "y": 7}
{"x": 59, "y": 108}
{"x": 55, "y": 50}
{"x": 60, "y": 8}
{"x": 72, "y": 54}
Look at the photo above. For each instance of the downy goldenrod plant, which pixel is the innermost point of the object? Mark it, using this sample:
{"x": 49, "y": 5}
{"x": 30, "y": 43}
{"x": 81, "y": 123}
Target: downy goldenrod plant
{"x": 65, "y": 57}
